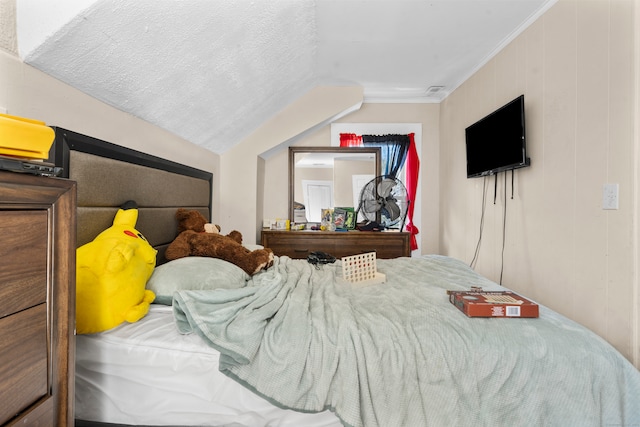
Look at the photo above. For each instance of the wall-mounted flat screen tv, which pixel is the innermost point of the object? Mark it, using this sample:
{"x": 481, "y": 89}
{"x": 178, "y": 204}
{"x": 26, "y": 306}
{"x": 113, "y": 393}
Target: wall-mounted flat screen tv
{"x": 497, "y": 142}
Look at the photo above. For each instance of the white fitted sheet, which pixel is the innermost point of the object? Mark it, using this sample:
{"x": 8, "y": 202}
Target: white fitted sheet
{"x": 147, "y": 373}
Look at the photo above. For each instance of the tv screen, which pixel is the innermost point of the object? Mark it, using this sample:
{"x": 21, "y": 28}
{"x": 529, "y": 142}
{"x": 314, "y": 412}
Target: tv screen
{"x": 496, "y": 142}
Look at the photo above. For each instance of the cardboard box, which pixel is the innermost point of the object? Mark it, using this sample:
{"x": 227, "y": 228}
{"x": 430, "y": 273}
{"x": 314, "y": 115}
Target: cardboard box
{"x": 493, "y": 304}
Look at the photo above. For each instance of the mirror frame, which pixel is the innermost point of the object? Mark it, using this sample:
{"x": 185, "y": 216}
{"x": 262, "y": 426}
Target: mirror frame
{"x": 327, "y": 149}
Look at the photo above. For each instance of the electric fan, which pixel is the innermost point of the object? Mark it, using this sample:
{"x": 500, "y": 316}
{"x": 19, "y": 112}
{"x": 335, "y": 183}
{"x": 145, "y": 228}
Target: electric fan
{"x": 384, "y": 200}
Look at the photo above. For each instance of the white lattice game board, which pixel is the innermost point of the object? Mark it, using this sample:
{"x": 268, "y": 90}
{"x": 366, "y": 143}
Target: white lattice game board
{"x": 361, "y": 269}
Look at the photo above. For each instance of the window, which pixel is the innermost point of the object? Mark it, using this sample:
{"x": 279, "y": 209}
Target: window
{"x": 399, "y": 158}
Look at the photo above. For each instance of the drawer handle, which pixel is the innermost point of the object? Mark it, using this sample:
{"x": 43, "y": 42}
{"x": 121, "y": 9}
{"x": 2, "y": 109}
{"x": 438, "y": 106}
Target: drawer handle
{"x": 301, "y": 250}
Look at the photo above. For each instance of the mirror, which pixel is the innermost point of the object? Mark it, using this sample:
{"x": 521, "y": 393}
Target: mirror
{"x": 328, "y": 177}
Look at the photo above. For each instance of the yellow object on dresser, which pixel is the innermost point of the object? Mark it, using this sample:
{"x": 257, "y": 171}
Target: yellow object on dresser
{"x": 111, "y": 274}
{"x": 24, "y": 137}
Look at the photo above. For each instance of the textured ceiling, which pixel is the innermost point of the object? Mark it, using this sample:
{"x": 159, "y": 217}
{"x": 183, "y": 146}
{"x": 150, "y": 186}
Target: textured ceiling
{"x": 212, "y": 71}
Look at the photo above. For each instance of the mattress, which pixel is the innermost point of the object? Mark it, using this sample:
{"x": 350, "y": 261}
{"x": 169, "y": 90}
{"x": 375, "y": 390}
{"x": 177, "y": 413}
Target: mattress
{"x": 147, "y": 373}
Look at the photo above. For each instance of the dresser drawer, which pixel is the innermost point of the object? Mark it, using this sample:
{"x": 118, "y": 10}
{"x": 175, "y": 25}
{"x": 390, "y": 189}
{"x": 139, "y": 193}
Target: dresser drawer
{"x": 298, "y": 244}
{"x": 23, "y": 361}
{"x": 23, "y": 259}
{"x": 386, "y": 244}
{"x": 294, "y": 247}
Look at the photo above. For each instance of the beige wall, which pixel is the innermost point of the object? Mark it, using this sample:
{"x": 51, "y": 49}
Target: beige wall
{"x": 575, "y": 67}
{"x": 247, "y": 186}
{"x": 343, "y": 171}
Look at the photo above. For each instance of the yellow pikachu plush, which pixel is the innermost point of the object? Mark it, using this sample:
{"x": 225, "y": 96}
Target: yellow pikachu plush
{"x": 111, "y": 275}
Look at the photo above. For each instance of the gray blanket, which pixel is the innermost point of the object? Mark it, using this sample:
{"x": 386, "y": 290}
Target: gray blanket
{"x": 399, "y": 354}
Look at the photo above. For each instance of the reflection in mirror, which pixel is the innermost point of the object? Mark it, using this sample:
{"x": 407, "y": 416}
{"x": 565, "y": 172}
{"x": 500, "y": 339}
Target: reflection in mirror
{"x": 328, "y": 177}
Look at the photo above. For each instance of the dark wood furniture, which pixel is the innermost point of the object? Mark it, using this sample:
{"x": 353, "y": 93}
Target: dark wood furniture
{"x": 37, "y": 290}
{"x": 298, "y": 244}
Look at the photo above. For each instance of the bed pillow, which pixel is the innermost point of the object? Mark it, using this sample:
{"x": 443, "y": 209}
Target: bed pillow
{"x": 194, "y": 273}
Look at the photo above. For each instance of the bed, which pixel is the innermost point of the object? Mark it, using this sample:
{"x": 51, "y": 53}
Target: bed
{"x": 297, "y": 345}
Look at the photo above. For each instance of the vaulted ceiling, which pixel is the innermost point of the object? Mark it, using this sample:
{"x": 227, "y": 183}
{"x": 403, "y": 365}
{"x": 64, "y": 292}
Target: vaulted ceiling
{"x": 211, "y": 71}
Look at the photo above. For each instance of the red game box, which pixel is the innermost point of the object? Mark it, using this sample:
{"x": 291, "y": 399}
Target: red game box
{"x": 493, "y": 304}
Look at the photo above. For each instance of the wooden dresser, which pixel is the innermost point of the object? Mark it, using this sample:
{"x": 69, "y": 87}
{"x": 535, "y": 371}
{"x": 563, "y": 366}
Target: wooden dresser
{"x": 37, "y": 290}
{"x": 298, "y": 244}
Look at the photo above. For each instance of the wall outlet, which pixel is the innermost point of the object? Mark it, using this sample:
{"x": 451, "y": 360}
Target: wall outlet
{"x": 610, "y": 196}
{"x": 3, "y": 110}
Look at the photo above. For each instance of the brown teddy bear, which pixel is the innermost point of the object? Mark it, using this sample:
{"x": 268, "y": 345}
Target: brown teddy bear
{"x": 196, "y": 237}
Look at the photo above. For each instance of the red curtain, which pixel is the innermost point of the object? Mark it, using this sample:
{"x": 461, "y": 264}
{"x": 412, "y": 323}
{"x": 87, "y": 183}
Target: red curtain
{"x": 412, "y": 171}
{"x": 350, "y": 140}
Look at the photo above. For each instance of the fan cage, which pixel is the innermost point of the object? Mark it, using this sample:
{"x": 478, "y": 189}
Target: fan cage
{"x": 371, "y": 202}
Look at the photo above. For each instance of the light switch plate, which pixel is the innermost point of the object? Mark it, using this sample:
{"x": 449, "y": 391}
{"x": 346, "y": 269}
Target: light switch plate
{"x": 610, "y": 196}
